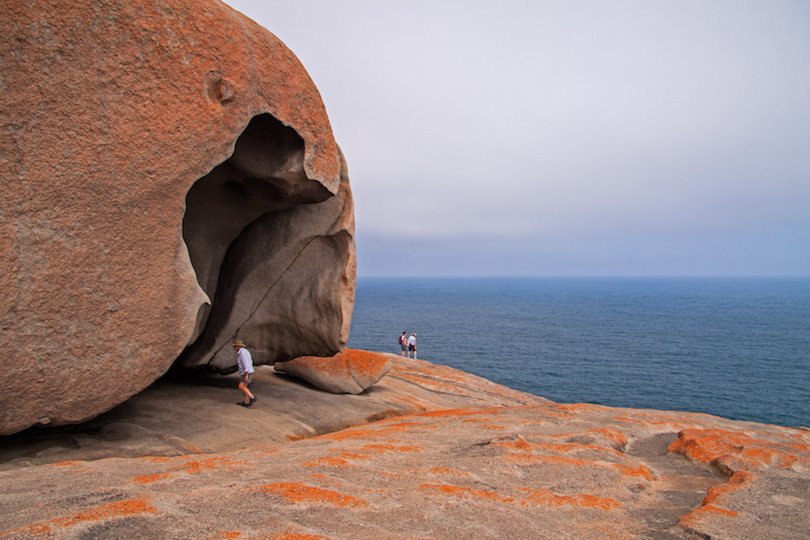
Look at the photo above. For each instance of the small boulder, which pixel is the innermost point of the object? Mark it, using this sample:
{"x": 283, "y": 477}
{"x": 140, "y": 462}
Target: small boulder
{"x": 347, "y": 372}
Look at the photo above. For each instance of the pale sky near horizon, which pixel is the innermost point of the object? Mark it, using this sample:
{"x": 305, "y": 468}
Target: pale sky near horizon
{"x": 566, "y": 137}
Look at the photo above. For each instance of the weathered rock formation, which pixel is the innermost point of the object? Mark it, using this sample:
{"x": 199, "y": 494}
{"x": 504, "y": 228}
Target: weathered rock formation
{"x": 347, "y": 372}
{"x": 170, "y": 182}
{"x": 428, "y": 452}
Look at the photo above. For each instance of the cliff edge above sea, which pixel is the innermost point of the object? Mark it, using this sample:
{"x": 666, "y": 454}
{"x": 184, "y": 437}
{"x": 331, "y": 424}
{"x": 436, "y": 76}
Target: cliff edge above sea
{"x": 428, "y": 452}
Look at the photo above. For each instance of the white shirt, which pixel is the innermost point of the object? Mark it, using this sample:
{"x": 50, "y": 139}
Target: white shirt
{"x": 412, "y": 340}
{"x": 244, "y": 361}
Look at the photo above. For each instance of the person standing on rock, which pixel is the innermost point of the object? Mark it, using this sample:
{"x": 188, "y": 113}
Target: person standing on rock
{"x": 244, "y": 362}
{"x": 412, "y": 345}
{"x": 403, "y": 342}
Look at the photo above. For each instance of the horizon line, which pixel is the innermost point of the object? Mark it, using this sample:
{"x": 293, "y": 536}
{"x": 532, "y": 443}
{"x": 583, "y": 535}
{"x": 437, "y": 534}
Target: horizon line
{"x": 587, "y": 276}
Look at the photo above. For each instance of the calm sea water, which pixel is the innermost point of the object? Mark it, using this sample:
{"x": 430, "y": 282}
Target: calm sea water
{"x": 735, "y": 347}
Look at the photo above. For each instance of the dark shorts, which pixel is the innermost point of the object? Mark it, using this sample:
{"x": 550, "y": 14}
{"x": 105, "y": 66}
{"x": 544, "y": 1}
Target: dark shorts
{"x": 242, "y": 379}
{"x": 411, "y": 347}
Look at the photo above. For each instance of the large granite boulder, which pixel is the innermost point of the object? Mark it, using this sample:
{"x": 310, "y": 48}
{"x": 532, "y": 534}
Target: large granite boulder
{"x": 170, "y": 182}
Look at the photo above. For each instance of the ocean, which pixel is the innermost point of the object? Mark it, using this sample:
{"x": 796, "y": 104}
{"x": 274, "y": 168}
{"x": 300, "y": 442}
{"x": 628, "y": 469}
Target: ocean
{"x": 734, "y": 347}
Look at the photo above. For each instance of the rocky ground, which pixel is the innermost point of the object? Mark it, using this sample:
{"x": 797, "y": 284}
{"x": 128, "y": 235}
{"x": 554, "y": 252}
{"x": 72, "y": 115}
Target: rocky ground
{"x": 429, "y": 452}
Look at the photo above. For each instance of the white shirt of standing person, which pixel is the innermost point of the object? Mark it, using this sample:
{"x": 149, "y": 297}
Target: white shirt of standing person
{"x": 412, "y": 340}
{"x": 244, "y": 361}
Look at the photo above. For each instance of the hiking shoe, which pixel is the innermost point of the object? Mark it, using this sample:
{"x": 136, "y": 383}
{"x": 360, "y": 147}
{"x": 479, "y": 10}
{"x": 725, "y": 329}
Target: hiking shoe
{"x": 253, "y": 400}
{"x": 243, "y": 404}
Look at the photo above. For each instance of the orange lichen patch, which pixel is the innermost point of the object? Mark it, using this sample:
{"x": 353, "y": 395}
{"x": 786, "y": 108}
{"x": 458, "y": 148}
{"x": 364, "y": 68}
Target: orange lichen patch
{"x": 340, "y": 460}
{"x": 738, "y": 480}
{"x": 418, "y": 405}
{"x": 196, "y": 466}
{"x": 611, "y": 434}
{"x": 128, "y": 507}
{"x": 449, "y": 471}
{"x": 297, "y": 492}
{"x": 149, "y": 478}
{"x": 366, "y": 452}
{"x": 158, "y": 459}
{"x": 460, "y": 491}
{"x": 230, "y": 535}
{"x": 295, "y": 536}
{"x": 496, "y": 427}
{"x": 66, "y": 463}
{"x": 318, "y": 476}
{"x": 455, "y": 412}
{"x": 689, "y": 519}
{"x": 640, "y": 471}
{"x": 190, "y": 467}
{"x": 368, "y": 433}
{"x": 363, "y": 362}
{"x": 28, "y": 530}
{"x": 708, "y": 445}
{"x": 565, "y": 448}
{"x": 383, "y": 448}
{"x": 549, "y": 498}
{"x": 191, "y": 448}
{"x": 117, "y": 509}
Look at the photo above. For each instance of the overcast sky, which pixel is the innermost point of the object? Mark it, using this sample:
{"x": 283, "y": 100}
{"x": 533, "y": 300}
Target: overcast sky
{"x": 566, "y": 137}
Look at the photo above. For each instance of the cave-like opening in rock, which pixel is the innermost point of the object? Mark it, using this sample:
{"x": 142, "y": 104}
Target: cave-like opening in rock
{"x": 240, "y": 216}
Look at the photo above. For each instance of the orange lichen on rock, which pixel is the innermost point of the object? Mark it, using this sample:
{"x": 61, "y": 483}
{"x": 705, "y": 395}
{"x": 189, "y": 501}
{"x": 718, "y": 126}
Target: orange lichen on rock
{"x": 66, "y": 463}
{"x": 383, "y": 448}
{"x": 449, "y": 470}
{"x": 149, "y": 478}
{"x": 612, "y": 434}
{"x": 117, "y": 509}
{"x": 689, "y": 519}
{"x": 190, "y": 467}
{"x": 295, "y": 536}
{"x": 198, "y": 465}
{"x": 128, "y": 507}
{"x": 442, "y": 413}
{"x": 548, "y": 497}
{"x": 461, "y": 491}
{"x": 738, "y": 480}
{"x": 340, "y": 460}
{"x": 565, "y": 448}
{"x": 708, "y": 445}
{"x": 640, "y": 471}
{"x": 368, "y": 451}
{"x": 369, "y": 432}
{"x": 231, "y": 535}
{"x": 297, "y": 492}
{"x": 158, "y": 459}
{"x": 350, "y": 371}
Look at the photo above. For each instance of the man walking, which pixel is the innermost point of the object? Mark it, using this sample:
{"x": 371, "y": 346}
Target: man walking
{"x": 244, "y": 361}
{"x": 412, "y": 345}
